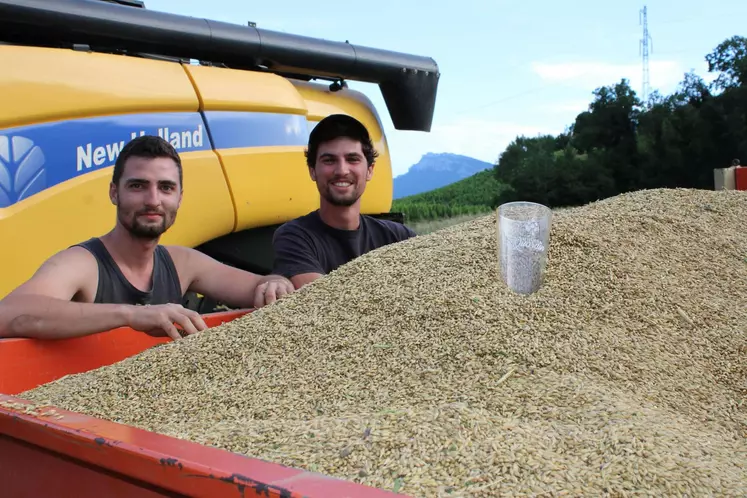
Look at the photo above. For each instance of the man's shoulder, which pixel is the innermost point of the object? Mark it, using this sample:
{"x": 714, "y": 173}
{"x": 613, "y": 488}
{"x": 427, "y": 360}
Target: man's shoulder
{"x": 396, "y": 229}
{"x": 90, "y": 246}
{"x": 176, "y": 252}
{"x": 77, "y": 253}
{"x": 307, "y": 223}
{"x": 296, "y": 244}
{"x": 75, "y": 261}
{"x": 84, "y": 252}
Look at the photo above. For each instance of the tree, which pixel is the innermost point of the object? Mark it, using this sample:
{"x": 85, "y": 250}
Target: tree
{"x": 730, "y": 59}
{"x": 610, "y": 126}
{"x": 692, "y": 90}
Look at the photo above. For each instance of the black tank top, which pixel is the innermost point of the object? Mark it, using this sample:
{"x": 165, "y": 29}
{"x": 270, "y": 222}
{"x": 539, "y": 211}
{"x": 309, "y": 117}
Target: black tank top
{"x": 114, "y": 288}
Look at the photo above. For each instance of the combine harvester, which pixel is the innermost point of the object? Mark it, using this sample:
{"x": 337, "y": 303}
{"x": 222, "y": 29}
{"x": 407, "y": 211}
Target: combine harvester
{"x": 82, "y": 77}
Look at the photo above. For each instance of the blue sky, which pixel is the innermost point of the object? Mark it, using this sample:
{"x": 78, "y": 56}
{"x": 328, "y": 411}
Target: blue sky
{"x": 507, "y": 68}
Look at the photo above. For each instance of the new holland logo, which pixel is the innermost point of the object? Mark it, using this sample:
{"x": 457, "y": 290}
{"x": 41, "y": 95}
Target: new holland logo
{"x": 21, "y": 169}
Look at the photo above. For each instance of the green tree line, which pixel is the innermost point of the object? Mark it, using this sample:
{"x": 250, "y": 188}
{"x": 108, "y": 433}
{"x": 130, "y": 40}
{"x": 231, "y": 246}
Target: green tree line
{"x": 621, "y": 144}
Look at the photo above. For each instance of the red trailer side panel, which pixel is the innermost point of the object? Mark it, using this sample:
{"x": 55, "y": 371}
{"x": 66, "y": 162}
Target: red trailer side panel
{"x": 29, "y": 363}
{"x": 34, "y": 472}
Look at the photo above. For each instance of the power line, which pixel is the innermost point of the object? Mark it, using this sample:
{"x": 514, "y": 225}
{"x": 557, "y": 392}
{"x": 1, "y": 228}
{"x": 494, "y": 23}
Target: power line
{"x": 643, "y": 19}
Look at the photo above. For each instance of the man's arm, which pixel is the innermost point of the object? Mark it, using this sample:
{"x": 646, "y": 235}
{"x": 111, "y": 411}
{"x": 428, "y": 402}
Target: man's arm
{"x": 42, "y": 308}
{"x": 295, "y": 257}
{"x": 233, "y": 286}
{"x": 403, "y": 231}
{"x": 304, "y": 278}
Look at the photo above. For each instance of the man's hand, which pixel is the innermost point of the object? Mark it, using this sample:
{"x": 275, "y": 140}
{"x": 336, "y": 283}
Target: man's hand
{"x": 271, "y": 289}
{"x": 158, "y": 321}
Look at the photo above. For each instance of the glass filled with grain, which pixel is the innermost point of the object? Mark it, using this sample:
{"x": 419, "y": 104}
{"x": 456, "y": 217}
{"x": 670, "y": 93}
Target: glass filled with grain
{"x": 523, "y": 242}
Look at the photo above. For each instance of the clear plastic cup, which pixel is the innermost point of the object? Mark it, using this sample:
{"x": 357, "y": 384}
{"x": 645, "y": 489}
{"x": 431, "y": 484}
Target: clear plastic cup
{"x": 523, "y": 242}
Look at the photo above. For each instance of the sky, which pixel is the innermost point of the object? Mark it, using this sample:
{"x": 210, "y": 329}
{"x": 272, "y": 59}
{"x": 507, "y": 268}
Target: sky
{"x": 508, "y": 68}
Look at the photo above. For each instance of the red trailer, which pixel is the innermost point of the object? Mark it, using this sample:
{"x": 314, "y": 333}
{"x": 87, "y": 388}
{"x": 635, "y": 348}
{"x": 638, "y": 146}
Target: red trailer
{"x": 64, "y": 454}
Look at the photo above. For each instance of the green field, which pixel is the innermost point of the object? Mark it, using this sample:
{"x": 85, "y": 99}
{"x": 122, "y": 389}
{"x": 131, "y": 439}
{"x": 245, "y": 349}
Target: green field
{"x": 466, "y": 198}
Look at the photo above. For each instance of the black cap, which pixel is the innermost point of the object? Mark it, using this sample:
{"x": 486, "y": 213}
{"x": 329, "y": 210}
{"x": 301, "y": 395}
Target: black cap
{"x": 338, "y": 125}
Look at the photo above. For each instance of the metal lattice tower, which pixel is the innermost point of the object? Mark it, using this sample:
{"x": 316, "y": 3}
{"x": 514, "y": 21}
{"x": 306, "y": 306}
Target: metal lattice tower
{"x": 644, "y": 49}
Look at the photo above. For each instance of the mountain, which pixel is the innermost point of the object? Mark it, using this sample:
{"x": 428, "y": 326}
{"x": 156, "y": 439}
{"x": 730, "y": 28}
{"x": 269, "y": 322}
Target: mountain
{"x": 436, "y": 170}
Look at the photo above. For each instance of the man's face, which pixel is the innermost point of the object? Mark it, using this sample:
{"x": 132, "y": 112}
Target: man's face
{"x": 341, "y": 171}
{"x": 148, "y": 196}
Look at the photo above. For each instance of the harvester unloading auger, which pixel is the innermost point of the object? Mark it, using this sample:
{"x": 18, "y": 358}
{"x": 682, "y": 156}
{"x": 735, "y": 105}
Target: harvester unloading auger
{"x": 408, "y": 83}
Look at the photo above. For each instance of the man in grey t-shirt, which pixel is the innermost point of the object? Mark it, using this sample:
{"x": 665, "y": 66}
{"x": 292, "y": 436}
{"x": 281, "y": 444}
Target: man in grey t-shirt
{"x": 340, "y": 158}
{"x": 126, "y": 278}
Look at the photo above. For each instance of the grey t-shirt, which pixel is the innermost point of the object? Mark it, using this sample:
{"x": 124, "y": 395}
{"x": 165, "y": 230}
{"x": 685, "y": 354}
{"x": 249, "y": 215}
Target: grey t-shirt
{"x": 114, "y": 288}
{"x": 308, "y": 245}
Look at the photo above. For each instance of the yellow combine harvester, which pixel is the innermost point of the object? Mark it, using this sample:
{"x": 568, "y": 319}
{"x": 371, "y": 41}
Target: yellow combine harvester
{"x": 82, "y": 77}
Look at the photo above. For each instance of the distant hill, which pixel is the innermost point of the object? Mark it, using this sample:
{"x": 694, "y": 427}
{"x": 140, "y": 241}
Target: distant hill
{"x": 472, "y": 195}
{"x": 434, "y": 171}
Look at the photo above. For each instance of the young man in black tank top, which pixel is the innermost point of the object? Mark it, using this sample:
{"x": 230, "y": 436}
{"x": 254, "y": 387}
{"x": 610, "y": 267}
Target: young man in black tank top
{"x": 341, "y": 159}
{"x": 100, "y": 284}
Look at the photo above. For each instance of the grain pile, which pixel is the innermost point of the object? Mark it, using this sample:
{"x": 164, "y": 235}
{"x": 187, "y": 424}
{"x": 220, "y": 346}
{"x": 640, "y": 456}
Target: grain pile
{"x": 414, "y": 369}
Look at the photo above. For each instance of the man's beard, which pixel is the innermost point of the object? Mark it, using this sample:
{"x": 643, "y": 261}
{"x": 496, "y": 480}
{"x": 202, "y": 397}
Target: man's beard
{"x": 148, "y": 232}
{"x": 341, "y": 201}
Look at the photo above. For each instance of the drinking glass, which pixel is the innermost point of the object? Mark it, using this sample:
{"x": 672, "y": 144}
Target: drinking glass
{"x": 523, "y": 242}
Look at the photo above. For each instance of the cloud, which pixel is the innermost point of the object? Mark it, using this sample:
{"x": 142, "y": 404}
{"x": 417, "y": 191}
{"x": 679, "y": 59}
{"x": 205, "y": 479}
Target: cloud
{"x": 663, "y": 74}
{"x": 478, "y": 138}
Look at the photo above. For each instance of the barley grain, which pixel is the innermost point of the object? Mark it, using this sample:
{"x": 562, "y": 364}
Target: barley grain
{"x": 415, "y": 368}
